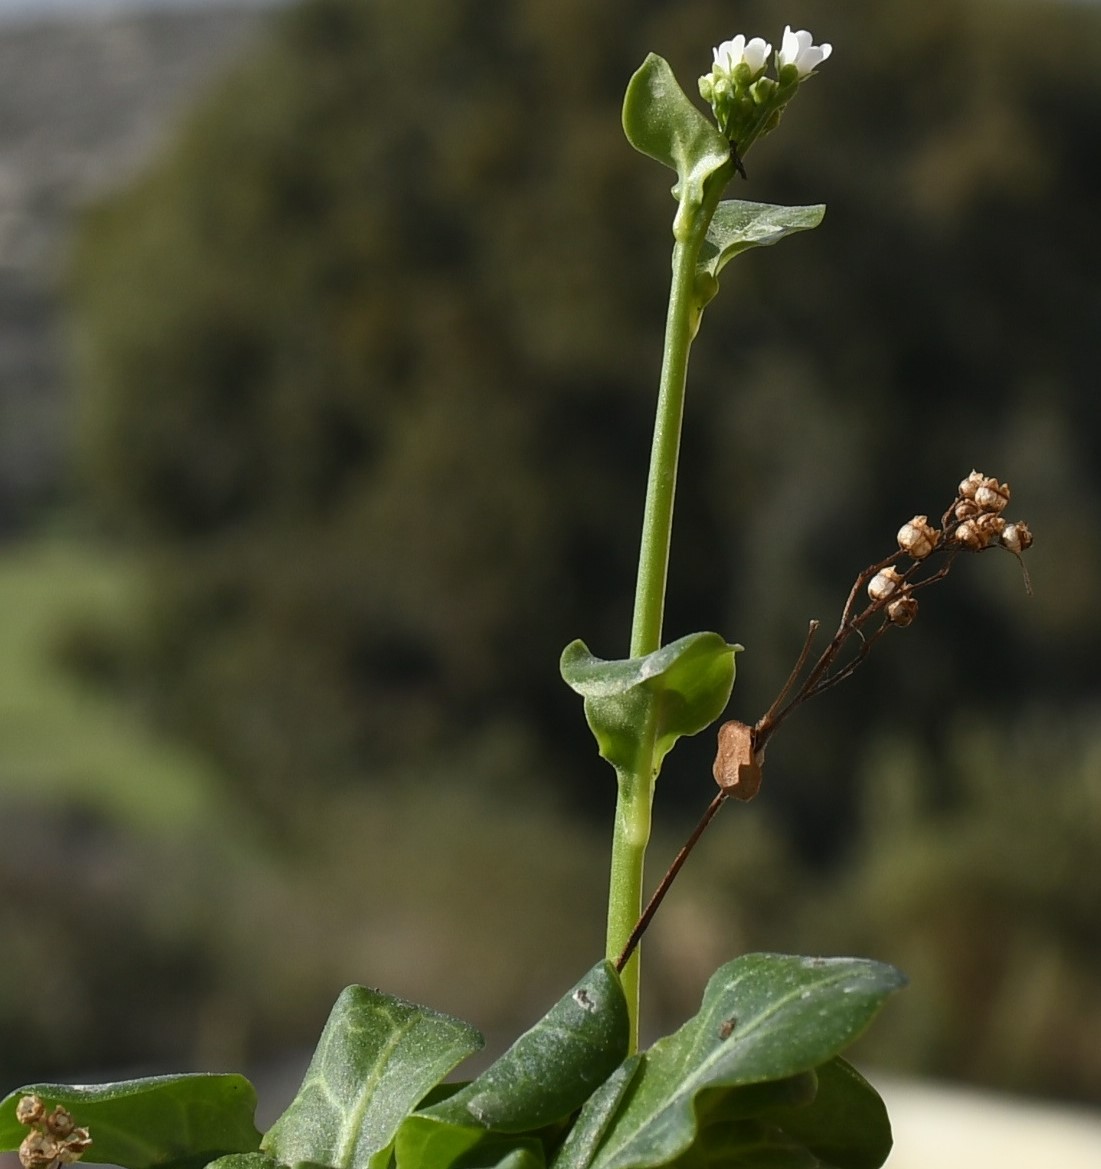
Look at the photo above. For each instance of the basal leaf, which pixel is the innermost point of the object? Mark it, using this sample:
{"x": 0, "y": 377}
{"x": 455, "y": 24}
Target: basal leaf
{"x": 579, "y": 1147}
{"x": 552, "y": 1069}
{"x": 746, "y": 1144}
{"x": 846, "y": 1125}
{"x": 684, "y": 685}
{"x": 244, "y": 1161}
{"x": 494, "y": 1152}
{"x": 737, "y": 226}
{"x": 163, "y": 1122}
{"x": 661, "y": 122}
{"x": 545, "y": 1076}
{"x": 764, "y": 1017}
{"x": 377, "y": 1059}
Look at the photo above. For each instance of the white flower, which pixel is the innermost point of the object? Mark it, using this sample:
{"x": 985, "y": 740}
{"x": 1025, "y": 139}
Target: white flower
{"x": 753, "y": 54}
{"x": 798, "y": 50}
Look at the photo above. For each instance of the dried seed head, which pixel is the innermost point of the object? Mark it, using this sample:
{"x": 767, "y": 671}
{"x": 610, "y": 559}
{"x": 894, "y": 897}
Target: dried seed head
{"x": 970, "y": 535}
{"x": 991, "y": 495}
{"x": 917, "y": 538}
{"x": 902, "y": 610}
{"x": 991, "y": 525}
{"x": 60, "y": 1122}
{"x": 884, "y": 584}
{"x": 74, "y": 1146}
{"x": 966, "y": 509}
{"x": 970, "y": 486}
{"x": 1017, "y": 537}
{"x": 737, "y": 770}
{"x": 38, "y": 1150}
{"x": 30, "y": 1110}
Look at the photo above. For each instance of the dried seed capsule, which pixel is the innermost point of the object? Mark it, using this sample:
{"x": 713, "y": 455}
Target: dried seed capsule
{"x": 902, "y": 610}
{"x": 971, "y": 484}
{"x": 917, "y": 538}
{"x": 74, "y": 1146}
{"x": 1017, "y": 537}
{"x": 966, "y": 509}
{"x": 991, "y": 495}
{"x": 38, "y": 1150}
{"x": 884, "y": 584}
{"x": 970, "y": 535}
{"x": 30, "y": 1110}
{"x": 990, "y": 525}
{"x": 737, "y": 769}
{"x": 59, "y": 1122}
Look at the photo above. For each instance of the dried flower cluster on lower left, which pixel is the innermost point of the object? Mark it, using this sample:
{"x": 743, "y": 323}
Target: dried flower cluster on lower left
{"x": 53, "y": 1140}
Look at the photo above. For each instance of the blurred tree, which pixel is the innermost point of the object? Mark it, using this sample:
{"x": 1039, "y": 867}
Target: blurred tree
{"x": 367, "y": 363}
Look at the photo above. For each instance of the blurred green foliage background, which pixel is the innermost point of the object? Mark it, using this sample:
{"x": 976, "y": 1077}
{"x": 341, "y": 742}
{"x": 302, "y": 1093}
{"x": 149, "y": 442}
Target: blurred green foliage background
{"x": 365, "y": 368}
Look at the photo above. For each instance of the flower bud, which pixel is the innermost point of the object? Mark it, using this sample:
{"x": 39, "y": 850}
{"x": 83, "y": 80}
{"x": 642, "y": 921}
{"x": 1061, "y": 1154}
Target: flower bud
{"x": 884, "y": 584}
{"x": 902, "y": 610}
{"x": 918, "y": 537}
{"x": 1017, "y": 537}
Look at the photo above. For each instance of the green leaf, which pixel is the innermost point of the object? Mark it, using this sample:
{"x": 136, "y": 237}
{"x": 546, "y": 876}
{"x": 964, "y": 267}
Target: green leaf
{"x": 738, "y": 226}
{"x": 747, "y": 1144}
{"x": 846, "y": 1125}
{"x": 244, "y": 1161}
{"x": 495, "y": 1152}
{"x": 661, "y": 122}
{"x": 377, "y": 1059}
{"x": 588, "y": 1131}
{"x": 764, "y": 1017}
{"x": 685, "y": 685}
{"x": 545, "y": 1076}
{"x": 162, "y": 1121}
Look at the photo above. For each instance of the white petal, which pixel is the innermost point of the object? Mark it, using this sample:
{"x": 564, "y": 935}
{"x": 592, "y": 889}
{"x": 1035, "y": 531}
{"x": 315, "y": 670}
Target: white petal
{"x": 730, "y": 53}
{"x": 812, "y": 58}
{"x": 756, "y": 54}
{"x": 789, "y": 49}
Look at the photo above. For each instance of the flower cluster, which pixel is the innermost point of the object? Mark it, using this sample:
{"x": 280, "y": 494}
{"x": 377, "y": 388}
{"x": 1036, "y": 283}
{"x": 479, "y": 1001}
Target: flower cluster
{"x": 747, "y": 103}
{"x": 54, "y": 1139}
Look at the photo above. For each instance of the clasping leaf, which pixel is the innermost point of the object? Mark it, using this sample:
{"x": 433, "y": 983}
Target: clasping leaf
{"x": 661, "y": 122}
{"x": 684, "y": 686}
{"x": 737, "y": 226}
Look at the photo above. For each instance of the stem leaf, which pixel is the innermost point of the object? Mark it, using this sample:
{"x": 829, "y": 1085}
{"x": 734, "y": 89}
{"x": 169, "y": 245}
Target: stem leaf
{"x": 376, "y": 1060}
{"x": 738, "y": 225}
{"x": 661, "y": 122}
{"x": 684, "y": 686}
{"x": 764, "y": 1017}
{"x": 161, "y": 1122}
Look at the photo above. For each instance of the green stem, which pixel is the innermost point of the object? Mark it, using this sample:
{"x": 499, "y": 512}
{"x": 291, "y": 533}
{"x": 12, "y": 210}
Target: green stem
{"x": 636, "y": 784}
